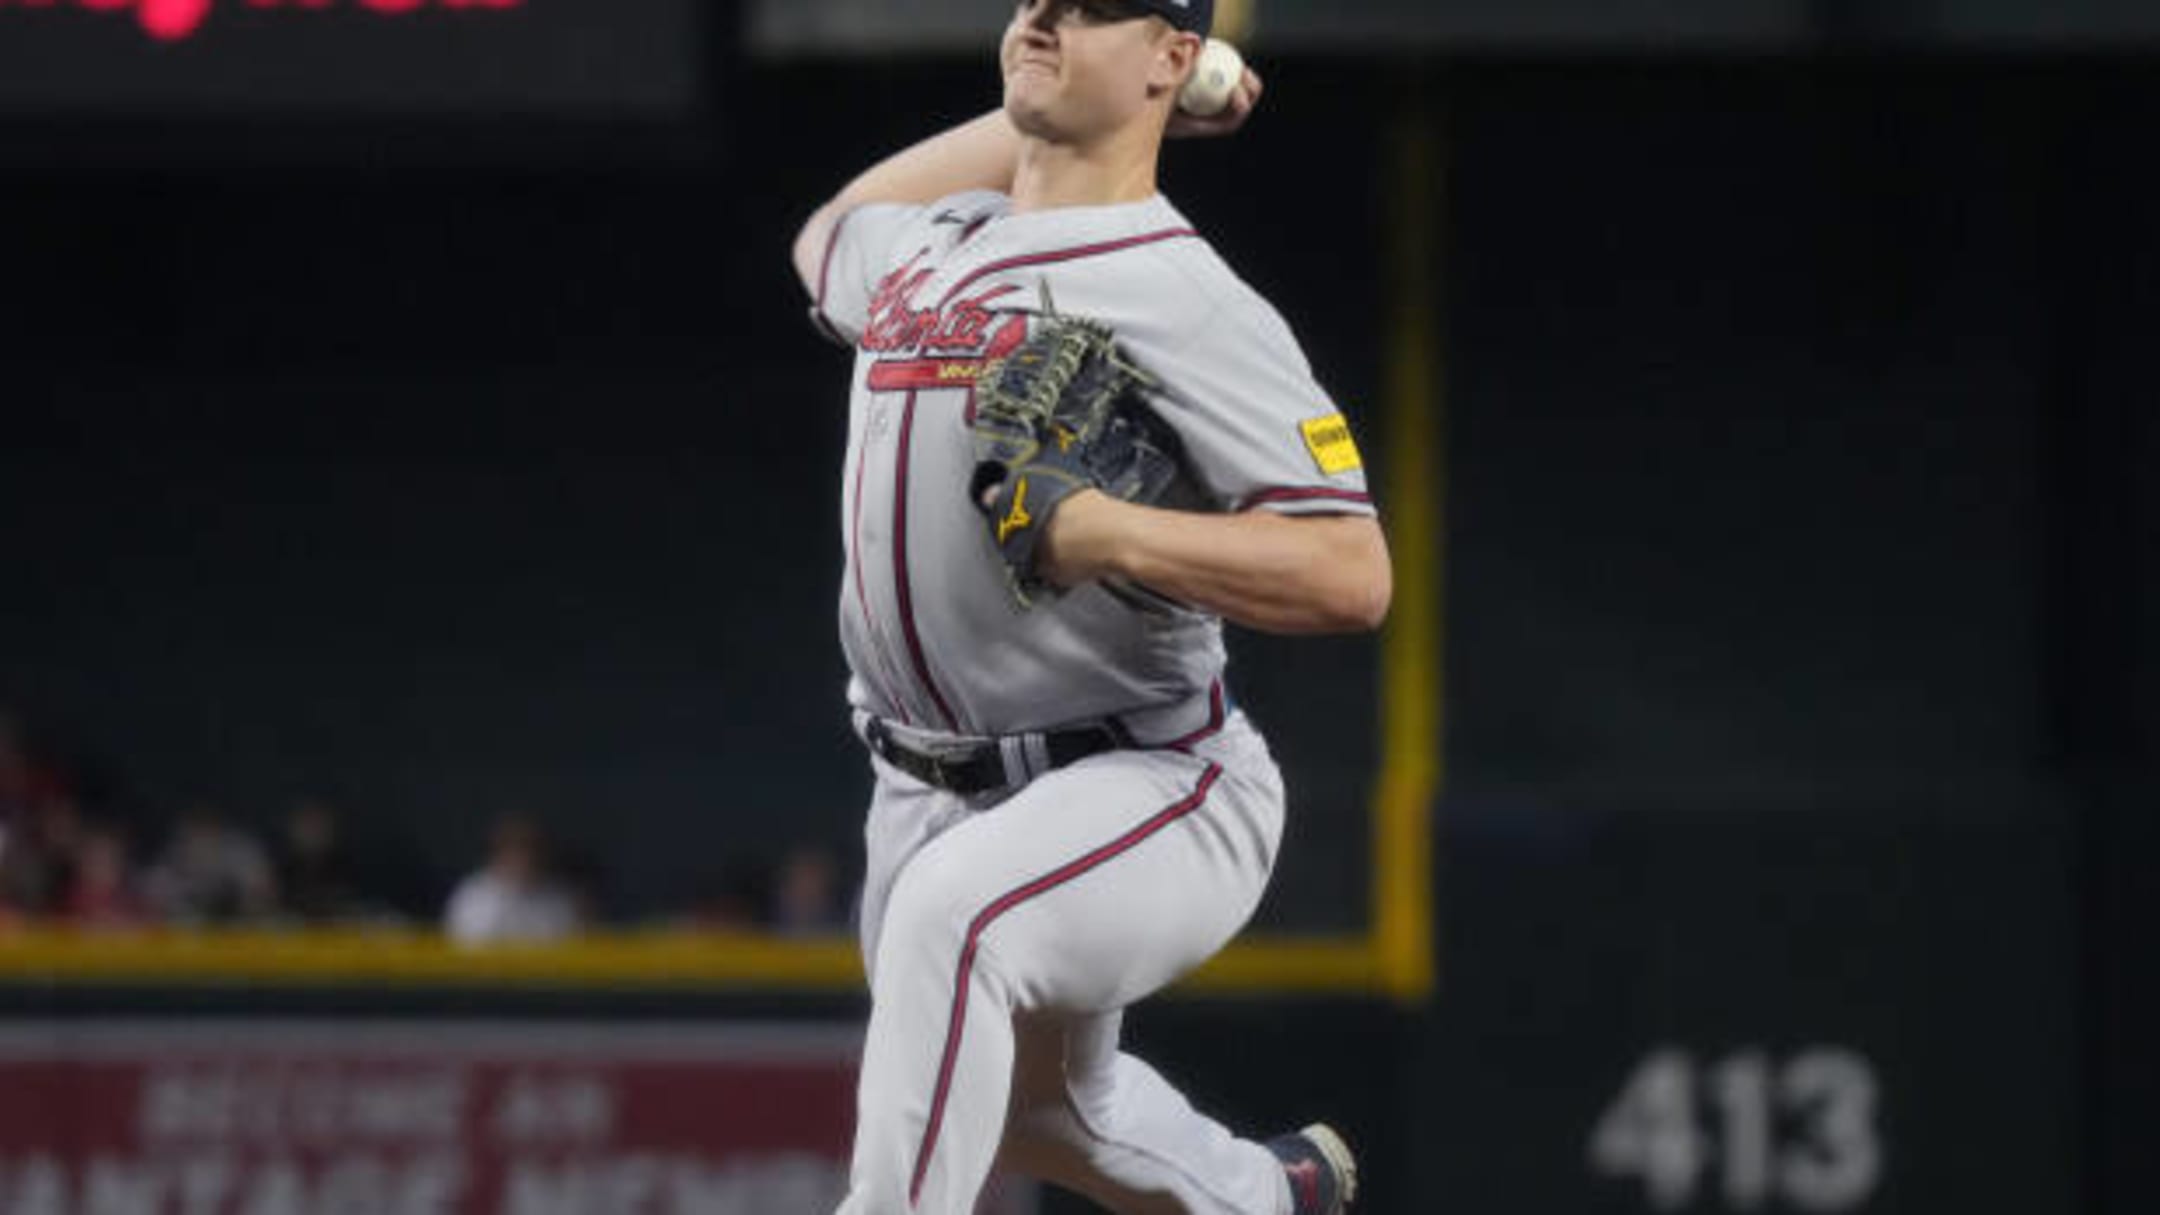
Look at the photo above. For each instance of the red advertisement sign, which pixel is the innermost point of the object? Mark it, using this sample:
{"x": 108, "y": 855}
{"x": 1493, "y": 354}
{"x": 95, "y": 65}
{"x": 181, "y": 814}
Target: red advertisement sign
{"x": 427, "y": 1118}
{"x": 174, "y": 20}
{"x": 280, "y": 59}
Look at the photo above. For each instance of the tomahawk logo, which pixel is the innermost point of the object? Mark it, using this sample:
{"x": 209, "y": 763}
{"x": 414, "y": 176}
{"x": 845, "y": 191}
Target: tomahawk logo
{"x": 177, "y": 20}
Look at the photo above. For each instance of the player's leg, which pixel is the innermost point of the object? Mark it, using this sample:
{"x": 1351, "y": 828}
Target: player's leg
{"x": 1085, "y": 891}
{"x": 1103, "y": 1124}
{"x": 904, "y": 817}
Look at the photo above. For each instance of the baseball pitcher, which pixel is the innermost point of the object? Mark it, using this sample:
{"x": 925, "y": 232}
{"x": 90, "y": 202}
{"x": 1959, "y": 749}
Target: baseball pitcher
{"x": 1077, "y": 444}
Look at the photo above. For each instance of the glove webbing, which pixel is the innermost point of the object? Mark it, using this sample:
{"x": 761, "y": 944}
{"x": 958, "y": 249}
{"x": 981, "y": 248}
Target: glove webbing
{"x": 1076, "y": 344}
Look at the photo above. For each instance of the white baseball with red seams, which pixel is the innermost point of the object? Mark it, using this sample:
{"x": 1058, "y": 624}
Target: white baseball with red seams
{"x": 1004, "y": 932}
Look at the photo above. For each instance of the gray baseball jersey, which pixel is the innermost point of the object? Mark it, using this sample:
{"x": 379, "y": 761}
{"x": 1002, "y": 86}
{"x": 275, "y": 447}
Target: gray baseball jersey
{"x": 1084, "y": 887}
{"x": 927, "y": 296}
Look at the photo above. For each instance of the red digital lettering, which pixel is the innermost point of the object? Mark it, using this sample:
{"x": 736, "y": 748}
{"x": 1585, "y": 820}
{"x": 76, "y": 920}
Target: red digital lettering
{"x": 174, "y": 20}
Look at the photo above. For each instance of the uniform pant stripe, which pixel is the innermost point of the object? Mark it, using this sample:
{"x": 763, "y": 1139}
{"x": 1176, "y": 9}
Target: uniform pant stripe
{"x": 957, "y": 1023}
{"x": 1216, "y": 715}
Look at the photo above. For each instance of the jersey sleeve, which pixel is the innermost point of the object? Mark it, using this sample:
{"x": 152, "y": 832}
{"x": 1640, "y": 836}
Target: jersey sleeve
{"x": 858, "y": 254}
{"x": 871, "y": 242}
{"x": 1258, "y": 430}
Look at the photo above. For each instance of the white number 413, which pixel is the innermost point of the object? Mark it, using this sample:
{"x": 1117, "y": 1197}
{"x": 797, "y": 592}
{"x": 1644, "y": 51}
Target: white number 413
{"x": 1803, "y": 1133}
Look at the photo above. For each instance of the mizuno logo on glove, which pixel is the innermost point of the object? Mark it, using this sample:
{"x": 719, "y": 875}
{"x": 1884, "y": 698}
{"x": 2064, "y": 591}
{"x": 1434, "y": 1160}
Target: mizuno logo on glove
{"x": 1017, "y": 518}
{"x": 1066, "y": 411}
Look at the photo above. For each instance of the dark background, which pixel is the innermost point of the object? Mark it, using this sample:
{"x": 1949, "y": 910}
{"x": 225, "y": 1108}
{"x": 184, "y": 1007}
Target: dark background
{"x": 1800, "y": 574}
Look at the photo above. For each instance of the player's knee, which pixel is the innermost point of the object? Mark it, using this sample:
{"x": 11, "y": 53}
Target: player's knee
{"x": 1042, "y": 1144}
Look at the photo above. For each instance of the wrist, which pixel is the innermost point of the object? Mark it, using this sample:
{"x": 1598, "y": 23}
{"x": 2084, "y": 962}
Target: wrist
{"x": 1086, "y": 538}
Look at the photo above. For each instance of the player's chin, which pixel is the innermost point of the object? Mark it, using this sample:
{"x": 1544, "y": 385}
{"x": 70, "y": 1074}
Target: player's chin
{"x": 1031, "y": 111}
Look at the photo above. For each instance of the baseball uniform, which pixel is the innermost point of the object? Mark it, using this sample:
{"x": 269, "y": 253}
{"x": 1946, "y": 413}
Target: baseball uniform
{"x": 1070, "y": 812}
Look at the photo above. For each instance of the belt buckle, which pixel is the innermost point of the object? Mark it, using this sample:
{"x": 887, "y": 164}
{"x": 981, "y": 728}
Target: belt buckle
{"x": 941, "y": 772}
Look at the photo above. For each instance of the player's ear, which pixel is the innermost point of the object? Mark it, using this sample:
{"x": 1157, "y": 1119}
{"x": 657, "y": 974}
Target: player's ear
{"x": 1176, "y": 52}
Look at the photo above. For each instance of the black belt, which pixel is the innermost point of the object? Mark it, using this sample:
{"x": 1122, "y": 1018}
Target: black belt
{"x": 980, "y": 767}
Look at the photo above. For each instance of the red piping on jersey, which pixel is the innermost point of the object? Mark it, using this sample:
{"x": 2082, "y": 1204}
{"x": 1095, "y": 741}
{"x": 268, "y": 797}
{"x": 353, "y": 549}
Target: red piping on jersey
{"x": 956, "y": 1026}
{"x": 832, "y": 245}
{"x": 900, "y": 568}
{"x": 862, "y": 595}
{"x": 1309, "y": 493}
{"x": 1061, "y": 255}
{"x": 1214, "y": 724}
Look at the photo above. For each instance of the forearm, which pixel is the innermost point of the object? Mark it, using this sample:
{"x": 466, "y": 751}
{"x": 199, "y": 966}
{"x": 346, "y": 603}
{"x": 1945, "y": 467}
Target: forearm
{"x": 1275, "y": 573}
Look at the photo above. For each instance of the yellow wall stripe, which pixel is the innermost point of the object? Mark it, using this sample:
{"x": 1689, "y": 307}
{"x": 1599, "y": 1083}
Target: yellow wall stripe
{"x": 640, "y": 961}
{"x": 1410, "y": 768}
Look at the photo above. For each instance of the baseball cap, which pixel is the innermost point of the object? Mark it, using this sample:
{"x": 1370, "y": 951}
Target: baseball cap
{"x": 1194, "y": 16}
{"x": 1198, "y": 16}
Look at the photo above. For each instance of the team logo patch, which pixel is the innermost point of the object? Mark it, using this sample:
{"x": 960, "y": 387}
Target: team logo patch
{"x": 1332, "y": 448}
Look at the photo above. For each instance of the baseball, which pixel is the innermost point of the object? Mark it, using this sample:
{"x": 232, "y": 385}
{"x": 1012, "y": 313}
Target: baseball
{"x": 1213, "y": 80}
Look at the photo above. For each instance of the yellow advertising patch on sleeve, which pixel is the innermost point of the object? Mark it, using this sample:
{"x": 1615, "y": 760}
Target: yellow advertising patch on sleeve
{"x": 1332, "y": 447}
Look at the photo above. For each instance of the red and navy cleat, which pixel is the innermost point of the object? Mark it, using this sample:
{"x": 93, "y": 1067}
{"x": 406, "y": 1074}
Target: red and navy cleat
{"x": 1322, "y": 1172}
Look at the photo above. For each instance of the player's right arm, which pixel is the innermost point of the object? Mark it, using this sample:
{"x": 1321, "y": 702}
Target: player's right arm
{"x": 978, "y": 155}
{"x": 983, "y": 154}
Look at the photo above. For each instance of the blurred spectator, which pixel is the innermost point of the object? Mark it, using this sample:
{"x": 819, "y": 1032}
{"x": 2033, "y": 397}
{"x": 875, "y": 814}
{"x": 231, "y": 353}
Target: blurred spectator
{"x": 26, "y": 782}
{"x": 317, "y": 875}
{"x": 513, "y": 897}
{"x": 212, "y": 872}
{"x": 734, "y": 899}
{"x": 103, "y": 892}
{"x": 15, "y": 777}
{"x": 576, "y": 872}
{"x": 37, "y": 865}
{"x": 807, "y": 898}
{"x": 27, "y": 785}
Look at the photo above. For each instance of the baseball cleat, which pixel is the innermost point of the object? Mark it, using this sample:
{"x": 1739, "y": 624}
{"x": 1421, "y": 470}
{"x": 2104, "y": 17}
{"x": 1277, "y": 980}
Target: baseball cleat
{"x": 1322, "y": 1172}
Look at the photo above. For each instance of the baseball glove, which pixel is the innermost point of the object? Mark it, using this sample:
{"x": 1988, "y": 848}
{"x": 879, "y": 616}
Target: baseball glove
{"x": 1064, "y": 412}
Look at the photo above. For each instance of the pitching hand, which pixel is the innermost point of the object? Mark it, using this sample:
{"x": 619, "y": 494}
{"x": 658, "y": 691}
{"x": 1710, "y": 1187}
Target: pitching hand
{"x": 1242, "y": 102}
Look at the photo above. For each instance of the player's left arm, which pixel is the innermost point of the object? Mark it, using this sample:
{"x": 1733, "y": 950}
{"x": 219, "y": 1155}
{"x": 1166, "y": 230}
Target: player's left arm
{"x": 1278, "y": 573}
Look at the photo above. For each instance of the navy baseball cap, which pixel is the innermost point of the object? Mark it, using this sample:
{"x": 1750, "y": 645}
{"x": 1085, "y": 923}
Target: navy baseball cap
{"x": 1192, "y": 16}
{"x": 1198, "y": 16}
